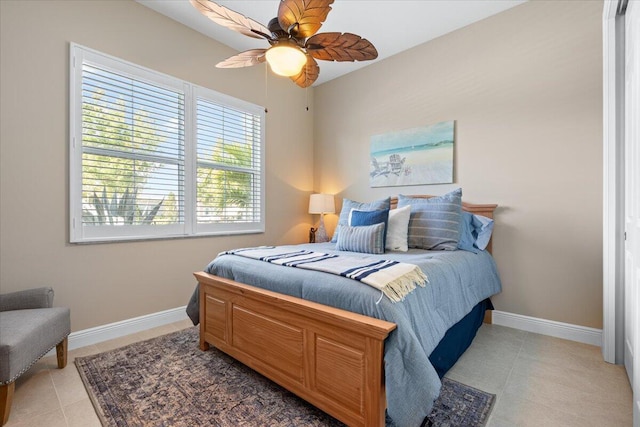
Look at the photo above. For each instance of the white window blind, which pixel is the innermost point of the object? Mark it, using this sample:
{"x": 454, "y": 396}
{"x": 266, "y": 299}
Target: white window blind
{"x": 153, "y": 156}
{"x": 132, "y": 150}
{"x": 229, "y": 156}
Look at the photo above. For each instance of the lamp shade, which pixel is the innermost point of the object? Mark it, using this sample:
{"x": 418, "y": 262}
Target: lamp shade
{"x": 321, "y": 204}
{"x": 286, "y": 60}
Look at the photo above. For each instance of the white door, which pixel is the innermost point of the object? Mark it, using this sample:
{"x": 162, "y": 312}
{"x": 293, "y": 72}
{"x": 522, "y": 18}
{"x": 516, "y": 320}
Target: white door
{"x": 632, "y": 202}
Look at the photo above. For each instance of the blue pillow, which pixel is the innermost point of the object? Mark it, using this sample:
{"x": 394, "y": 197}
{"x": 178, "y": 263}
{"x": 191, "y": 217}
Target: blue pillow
{"x": 434, "y": 223}
{"x": 483, "y": 227}
{"x": 348, "y": 204}
{"x": 367, "y": 238}
{"x": 475, "y": 232}
{"x": 467, "y": 239}
{"x": 359, "y": 218}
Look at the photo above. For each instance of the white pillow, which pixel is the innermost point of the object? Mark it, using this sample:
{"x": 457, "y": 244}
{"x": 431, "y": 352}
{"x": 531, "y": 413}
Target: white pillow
{"x": 398, "y": 229}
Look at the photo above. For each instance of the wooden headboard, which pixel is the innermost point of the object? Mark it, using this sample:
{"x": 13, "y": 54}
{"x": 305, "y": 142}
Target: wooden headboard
{"x": 477, "y": 209}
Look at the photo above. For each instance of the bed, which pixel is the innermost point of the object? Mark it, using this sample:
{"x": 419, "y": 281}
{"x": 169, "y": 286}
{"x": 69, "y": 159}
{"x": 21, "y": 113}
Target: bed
{"x": 341, "y": 346}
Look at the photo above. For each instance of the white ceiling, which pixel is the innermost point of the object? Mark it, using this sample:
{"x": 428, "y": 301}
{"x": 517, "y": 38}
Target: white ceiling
{"x": 391, "y": 25}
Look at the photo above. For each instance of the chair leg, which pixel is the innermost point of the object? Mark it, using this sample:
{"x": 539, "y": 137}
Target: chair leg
{"x": 61, "y": 353}
{"x": 6, "y": 397}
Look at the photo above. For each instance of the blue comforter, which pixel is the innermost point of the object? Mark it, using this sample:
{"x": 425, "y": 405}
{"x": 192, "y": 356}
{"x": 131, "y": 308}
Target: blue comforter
{"x": 458, "y": 280}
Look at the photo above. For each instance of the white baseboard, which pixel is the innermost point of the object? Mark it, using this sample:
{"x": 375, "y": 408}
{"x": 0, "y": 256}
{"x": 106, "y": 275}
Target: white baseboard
{"x": 110, "y": 331}
{"x": 552, "y": 328}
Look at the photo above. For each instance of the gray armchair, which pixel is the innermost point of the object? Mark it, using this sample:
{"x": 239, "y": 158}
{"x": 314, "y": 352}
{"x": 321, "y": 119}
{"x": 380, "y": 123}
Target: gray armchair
{"x": 29, "y": 328}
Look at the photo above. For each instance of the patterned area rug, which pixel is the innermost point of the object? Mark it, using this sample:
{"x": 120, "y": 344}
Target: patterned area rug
{"x": 168, "y": 381}
{"x": 460, "y": 405}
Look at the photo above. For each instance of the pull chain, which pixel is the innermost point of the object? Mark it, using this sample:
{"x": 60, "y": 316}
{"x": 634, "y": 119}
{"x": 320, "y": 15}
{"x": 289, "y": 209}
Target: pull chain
{"x": 266, "y": 89}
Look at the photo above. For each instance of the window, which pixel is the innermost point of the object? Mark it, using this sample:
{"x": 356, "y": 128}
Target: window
{"x": 155, "y": 157}
{"x": 228, "y": 164}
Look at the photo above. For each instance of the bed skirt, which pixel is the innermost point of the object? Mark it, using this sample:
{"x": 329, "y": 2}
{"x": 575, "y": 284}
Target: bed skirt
{"x": 458, "y": 338}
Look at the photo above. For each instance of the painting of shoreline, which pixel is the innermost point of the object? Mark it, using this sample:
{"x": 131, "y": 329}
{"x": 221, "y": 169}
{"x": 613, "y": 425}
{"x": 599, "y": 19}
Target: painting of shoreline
{"x": 413, "y": 156}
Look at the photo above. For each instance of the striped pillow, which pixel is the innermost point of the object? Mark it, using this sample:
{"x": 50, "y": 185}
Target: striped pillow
{"x": 348, "y": 204}
{"x": 358, "y": 218}
{"x": 434, "y": 223}
{"x": 366, "y": 238}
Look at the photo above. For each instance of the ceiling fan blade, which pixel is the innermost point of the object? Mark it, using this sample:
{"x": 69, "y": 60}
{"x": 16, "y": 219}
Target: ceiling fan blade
{"x": 244, "y": 59}
{"x": 232, "y": 20}
{"x": 340, "y": 47}
{"x": 309, "y": 73}
{"x": 303, "y": 18}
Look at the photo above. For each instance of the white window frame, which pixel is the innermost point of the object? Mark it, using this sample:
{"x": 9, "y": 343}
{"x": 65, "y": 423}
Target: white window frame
{"x": 80, "y": 233}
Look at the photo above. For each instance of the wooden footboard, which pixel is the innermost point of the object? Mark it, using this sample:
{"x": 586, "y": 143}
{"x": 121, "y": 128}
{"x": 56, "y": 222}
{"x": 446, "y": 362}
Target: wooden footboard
{"x": 330, "y": 357}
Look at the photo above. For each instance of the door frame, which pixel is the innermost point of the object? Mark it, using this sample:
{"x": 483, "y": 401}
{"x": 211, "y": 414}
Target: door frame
{"x": 613, "y": 185}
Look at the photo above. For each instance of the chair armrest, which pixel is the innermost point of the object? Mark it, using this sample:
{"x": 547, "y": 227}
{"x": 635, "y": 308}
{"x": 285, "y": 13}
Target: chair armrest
{"x": 30, "y": 298}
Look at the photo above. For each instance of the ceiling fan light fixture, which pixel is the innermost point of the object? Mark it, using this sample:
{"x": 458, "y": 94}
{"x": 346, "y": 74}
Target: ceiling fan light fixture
{"x": 292, "y": 34}
{"x": 286, "y": 60}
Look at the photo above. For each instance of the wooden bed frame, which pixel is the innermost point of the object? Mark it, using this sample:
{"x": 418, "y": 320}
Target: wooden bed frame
{"x": 330, "y": 357}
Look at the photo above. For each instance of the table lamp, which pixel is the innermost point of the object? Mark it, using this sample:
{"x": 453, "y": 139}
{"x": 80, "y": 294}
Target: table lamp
{"x": 321, "y": 204}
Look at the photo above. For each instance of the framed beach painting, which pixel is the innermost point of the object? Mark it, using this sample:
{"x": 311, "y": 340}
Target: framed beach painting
{"x": 415, "y": 156}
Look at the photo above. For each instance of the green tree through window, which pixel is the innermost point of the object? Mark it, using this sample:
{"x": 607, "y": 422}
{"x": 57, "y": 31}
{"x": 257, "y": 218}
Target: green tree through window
{"x": 226, "y": 193}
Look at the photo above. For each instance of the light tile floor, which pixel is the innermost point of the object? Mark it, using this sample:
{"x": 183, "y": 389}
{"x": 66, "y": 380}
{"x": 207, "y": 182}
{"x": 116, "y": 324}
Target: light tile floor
{"x": 538, "y": 381}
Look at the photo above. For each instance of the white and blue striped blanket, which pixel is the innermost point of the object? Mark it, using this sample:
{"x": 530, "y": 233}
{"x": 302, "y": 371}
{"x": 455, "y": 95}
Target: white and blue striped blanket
{"x": 393, "y": 278}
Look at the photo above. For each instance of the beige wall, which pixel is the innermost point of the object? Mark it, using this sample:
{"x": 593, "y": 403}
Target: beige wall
{"x": 525, "y": 90}
{"x": 110, "y": 282}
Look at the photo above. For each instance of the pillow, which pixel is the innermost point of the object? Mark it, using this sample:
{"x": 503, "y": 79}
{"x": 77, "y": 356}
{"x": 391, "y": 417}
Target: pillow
{"x": 475, "y": 232}
{"x": 467, "y": 239}
{"x": 367, "y": 238}
{"x": 397, "y": 229}
{"x": 434, "y": 223}
{"x": 359, "y": 218}
{"x": 483, "y": 227}
{"x": 347, "y": 205}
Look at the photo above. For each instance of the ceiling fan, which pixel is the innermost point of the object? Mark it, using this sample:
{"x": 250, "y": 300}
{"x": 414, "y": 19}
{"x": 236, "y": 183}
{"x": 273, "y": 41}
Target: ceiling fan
{"x": 295, "y": 46}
